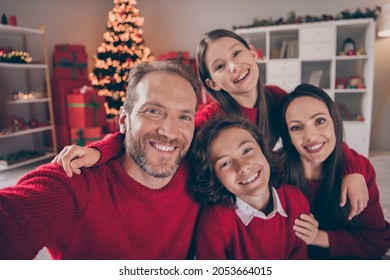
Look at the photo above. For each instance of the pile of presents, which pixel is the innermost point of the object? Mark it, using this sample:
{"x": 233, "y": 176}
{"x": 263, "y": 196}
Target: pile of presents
{"x": 78, "y": 110}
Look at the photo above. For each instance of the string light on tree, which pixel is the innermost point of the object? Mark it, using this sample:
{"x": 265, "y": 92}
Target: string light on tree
{"x": 122, "y": 48}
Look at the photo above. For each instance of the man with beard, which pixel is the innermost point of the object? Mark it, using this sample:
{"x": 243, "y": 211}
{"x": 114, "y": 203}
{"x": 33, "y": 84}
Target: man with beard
{"x": 133, "y": 207}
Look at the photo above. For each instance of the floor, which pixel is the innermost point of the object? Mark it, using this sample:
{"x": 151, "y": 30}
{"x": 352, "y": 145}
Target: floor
{"x": 379, "y": 159}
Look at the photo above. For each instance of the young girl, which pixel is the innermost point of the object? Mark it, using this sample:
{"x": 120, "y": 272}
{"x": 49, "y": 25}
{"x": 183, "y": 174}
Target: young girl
{"x": 313, "y": 142}
{"x": 227, "y": 66}
{"x": 247, "y": 213}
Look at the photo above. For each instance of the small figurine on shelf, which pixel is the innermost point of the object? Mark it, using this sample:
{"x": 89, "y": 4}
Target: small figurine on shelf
{"x": 360, "y": 118}
{"x": 349, "y": 47}
{"x": 43, "y": 123}
{"x": 341, "y": 83}
{"x": 33, "y": 123}
{"x": 4, "y": 19}
{"x": 356, "y": 82}
{"x": 12, "y": 20}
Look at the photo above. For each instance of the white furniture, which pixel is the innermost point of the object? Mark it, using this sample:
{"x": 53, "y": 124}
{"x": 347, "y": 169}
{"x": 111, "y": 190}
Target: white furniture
{"x": 316, "y": 51}
{"x": 27, "y": 78}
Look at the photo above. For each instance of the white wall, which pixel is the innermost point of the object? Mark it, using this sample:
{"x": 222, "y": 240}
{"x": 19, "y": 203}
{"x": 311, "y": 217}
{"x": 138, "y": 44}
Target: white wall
{"x": 179, "y": 24}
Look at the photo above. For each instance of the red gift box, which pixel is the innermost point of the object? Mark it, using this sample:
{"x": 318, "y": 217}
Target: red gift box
{"x": 86, "y": 110}
{"x": 84, "y": 90}
{"x": 69, "y": 48}
{"x": 60, "y": 89}
{"x": 84, "y": 136}
{"x": 62, "y": 136}
{"x": 175, "y": 55}
{"x": 70, "y": 65}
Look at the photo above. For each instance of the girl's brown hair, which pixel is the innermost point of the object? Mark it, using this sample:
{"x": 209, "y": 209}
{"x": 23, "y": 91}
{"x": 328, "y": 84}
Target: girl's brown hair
{"x": 268, "y": 107}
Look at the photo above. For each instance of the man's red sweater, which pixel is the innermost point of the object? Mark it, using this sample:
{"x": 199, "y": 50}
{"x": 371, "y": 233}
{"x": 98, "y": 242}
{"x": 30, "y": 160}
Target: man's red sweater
{"x": 222, "y": 235}
{"x": 101, "y": 214}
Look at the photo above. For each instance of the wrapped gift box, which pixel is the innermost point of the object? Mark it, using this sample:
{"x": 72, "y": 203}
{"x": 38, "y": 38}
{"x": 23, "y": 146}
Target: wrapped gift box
{"x": 86, "y": 110}
{"x": 69, "y": 48}
{"x": 70, "y": 65}
{"x": 84, "y": 90}
{"x": 83, "y": 136}
{"x": 182, "y": 56}
{"x": 60, "y": 89}
{"x": 62, "y": 136}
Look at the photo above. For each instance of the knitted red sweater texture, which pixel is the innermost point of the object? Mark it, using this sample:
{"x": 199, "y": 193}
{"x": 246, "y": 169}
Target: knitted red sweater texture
{"x": 101, "y": 214}
{"x": 222, "y": 235}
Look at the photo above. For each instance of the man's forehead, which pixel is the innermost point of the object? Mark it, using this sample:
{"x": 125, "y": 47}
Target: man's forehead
{"x": 162, "y": 85}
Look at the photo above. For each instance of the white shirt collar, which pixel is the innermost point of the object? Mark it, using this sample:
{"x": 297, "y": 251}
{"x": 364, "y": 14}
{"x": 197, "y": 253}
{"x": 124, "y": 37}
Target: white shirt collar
{"x": 247, "y": 212}
{"x": 278, "y": 145}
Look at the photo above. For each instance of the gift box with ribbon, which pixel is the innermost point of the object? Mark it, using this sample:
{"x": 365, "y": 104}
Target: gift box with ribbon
{"x": 70, "y": 65}
{"x": 182, "y": 56}
{"x": 84, "y": 136}
{"x": 86, "y": 110}
{"x": 69, "y": 48}
{"x": 60, "y": 90}
{"x": 62, "y": 136}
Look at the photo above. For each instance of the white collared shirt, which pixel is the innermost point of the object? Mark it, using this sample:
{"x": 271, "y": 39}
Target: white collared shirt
{"x": 246, "y": 212}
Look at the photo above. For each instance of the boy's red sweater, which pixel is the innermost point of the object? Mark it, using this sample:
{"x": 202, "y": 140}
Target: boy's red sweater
{"x": 222, "y": 235}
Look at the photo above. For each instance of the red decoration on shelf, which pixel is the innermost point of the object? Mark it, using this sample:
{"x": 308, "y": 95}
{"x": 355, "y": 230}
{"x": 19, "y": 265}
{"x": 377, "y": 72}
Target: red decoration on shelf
{"x": 12, "y": 20}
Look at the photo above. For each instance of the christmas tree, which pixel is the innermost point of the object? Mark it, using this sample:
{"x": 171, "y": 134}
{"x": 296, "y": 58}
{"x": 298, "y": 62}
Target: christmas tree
{"x": 122, "y": 48}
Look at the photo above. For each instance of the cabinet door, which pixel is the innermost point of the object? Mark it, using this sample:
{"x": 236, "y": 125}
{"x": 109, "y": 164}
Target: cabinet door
{"x": 317, "y": 50}
{"x": 355, "y": 137}
{"x": 284, "y": 73}
{"x": 317, "y": 42}
{"x": 317, "y": 34}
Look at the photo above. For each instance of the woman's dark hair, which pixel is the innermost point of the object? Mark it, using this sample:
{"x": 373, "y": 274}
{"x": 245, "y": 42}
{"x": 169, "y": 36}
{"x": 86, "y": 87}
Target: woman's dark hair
{"x": 327, "y": 210}
{"x": 208, "y": 190}
{"x": 267, "y": 113}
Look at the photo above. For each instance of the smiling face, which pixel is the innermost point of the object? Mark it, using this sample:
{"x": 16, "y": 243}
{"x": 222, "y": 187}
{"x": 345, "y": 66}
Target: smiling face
{"x": 232, "y": 67}
{"x": 240, "y": 166}
{"x": 311, "y": 129}
{"x": 160, "y": 128}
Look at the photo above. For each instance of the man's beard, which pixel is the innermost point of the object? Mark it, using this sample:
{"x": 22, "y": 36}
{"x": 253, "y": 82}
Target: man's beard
{"x": 162, "y": 167}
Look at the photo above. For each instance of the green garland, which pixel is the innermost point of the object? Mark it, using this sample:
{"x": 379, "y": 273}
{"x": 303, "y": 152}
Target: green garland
{"x": 293, "y": 19}
{"x": 12, "y": 56}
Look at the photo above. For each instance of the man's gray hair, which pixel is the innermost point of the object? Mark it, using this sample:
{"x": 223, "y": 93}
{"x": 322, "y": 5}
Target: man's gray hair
{"x": 167, "y": 66}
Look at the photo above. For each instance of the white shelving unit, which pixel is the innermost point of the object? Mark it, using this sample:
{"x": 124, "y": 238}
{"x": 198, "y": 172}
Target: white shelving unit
{"x": 318, "y": 49}
{"x": 26, "y": 78}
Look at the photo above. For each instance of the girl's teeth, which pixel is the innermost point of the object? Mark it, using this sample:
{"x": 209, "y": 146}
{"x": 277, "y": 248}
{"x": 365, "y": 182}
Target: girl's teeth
{"x": 241, "y": 77}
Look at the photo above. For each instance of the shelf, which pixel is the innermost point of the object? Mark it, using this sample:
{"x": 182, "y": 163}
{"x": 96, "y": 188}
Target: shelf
{"x": 22, "y": 65}
{"x": 11, "y": 30}
{"x": 349, "y": 90}
{"x": 351, "y": 57}
{"x": 319, "y": 46}
{"x": 31, "y": 100}
{"x": 26, "y": 131}
{"x": 34, "y": 78}
{"x": 46, "y": 156}
{"x": 354, "y": 123}
{"x": 262, "y": 61}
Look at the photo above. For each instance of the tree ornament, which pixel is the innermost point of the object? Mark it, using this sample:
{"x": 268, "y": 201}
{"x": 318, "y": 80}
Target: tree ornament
{"x": 4, "y": 19}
